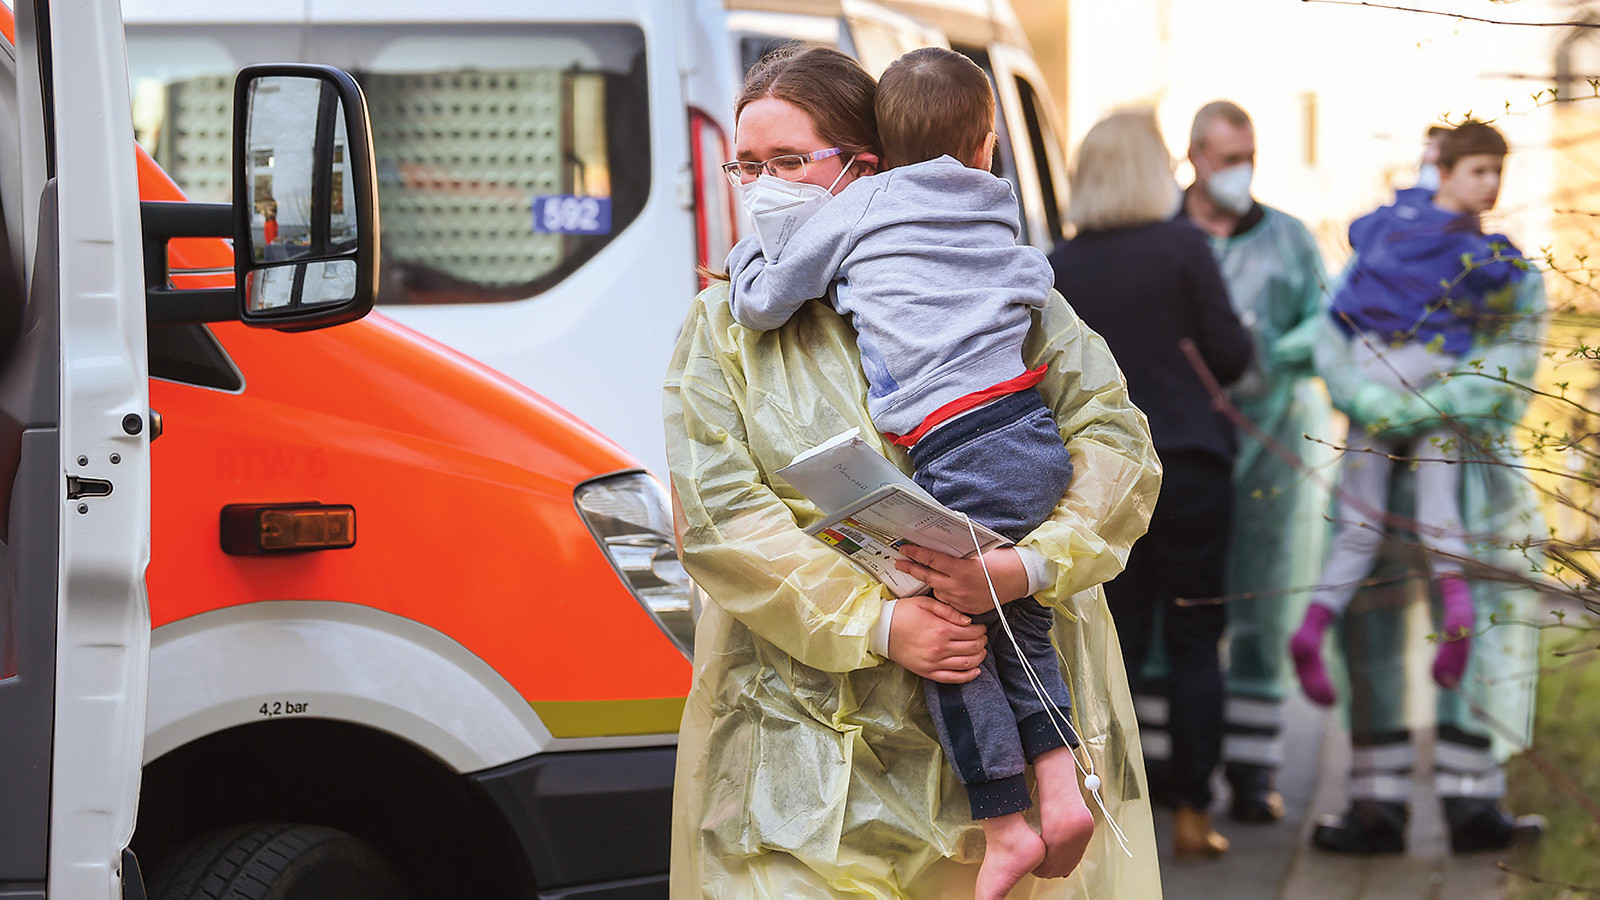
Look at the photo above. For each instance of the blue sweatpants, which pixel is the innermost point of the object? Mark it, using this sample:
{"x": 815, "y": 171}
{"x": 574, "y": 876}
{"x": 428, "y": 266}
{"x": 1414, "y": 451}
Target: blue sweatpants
{"x": 1006, "y": 467}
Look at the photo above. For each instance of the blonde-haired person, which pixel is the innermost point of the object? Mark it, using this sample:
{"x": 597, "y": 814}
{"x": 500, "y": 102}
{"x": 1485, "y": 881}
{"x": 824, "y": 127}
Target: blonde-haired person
{"x": 1146, "y": 282}
{"x": 1130, "y": 175}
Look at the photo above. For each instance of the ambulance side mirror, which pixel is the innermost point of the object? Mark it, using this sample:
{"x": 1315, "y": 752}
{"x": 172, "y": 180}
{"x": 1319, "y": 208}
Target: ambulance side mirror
{"x": 305, "y": 209}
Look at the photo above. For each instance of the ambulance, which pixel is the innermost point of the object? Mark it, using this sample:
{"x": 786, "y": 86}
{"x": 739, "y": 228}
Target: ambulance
{"x": 548, "y": 171}
{"x": 293, "y": 608}
{"x": 287, "y": 609}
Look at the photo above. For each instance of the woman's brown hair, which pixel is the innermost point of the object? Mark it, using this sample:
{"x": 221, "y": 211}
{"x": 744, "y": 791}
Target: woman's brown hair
{"x": 831, "y": 87}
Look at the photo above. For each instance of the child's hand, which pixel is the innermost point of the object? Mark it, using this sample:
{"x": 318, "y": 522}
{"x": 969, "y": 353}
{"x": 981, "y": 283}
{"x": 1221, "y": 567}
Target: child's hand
{"x": 961, "y": 583}
{"x": 1372, "y": 403}
{"x": 1408, "y": 416}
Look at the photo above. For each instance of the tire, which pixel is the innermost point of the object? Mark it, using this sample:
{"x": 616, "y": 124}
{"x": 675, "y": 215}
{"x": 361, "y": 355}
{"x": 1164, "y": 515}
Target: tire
{"x": 277, "y": 862}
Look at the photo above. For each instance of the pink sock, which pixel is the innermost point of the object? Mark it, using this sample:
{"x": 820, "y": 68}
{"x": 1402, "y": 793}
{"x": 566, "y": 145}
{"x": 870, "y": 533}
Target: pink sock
{"x": 1455, "y": 633}
{"x": 1306, "y": 648}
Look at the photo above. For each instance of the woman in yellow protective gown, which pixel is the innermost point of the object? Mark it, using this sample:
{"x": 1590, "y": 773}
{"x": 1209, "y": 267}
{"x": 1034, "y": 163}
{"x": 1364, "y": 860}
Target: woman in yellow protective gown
{"x": 808, "y": 765}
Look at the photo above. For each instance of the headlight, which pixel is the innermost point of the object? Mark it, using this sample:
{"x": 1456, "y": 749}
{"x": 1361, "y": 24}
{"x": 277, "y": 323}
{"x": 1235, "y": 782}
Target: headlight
{"x": 632, "y": 519}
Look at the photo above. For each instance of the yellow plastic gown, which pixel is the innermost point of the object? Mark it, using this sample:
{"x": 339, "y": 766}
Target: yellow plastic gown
{"x": 807, "y": 765}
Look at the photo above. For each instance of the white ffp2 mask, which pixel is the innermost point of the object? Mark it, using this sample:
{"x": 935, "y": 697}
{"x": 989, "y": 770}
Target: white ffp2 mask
{"x": 778, "y": 208}
{"x": 1230, "y": 187}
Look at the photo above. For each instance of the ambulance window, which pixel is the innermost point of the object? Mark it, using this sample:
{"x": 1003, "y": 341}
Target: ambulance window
{"x": 191, "y": 354}
{"x": 507, "y": 155}
{"x": 182, "y": 85}
{"x": 1046, "y": 155}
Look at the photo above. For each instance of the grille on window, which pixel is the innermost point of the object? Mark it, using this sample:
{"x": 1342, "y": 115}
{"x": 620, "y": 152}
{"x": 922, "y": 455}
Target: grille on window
{"x": 460, "y": 154}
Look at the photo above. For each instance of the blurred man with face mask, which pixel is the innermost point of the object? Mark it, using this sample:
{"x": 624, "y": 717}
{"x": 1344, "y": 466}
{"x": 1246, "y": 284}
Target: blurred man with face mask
{"x": 1275, "y": 279}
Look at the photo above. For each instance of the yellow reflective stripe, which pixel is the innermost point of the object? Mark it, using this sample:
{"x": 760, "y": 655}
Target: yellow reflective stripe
{"x": 597, "y": 718}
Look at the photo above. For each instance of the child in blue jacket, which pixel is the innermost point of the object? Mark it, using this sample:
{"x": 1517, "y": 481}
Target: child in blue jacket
{"x": 1424, "y": 280}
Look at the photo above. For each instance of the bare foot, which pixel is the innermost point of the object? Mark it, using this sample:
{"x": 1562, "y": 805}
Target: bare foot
{"x": 1065, "y": 821}
{"x": 1011, "y": 850}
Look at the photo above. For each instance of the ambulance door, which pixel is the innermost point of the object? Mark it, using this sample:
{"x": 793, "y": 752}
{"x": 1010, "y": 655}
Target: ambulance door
{"x": 75, "y": 426}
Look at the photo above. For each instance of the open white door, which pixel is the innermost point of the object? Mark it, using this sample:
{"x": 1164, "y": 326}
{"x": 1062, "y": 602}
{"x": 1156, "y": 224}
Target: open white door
{"x": 103, "y": 641}
{"x": 74, "y": 438}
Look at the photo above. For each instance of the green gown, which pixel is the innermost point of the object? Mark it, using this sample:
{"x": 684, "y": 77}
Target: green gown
{"x": 1276, "y": 280}
{"x": 1377, "y": 632}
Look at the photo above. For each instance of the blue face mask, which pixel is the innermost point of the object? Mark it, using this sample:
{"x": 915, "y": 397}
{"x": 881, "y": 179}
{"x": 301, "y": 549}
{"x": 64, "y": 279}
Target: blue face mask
{"x": 1428, "y": 177}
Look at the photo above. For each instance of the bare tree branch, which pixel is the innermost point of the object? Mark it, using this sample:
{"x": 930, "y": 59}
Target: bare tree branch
{"x": 1452, "y": 15}
{"x": 1538, "y": 879}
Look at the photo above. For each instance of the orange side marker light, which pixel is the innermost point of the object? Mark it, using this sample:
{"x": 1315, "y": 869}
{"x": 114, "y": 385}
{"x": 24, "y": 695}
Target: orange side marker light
{"x": 255, "y": 529}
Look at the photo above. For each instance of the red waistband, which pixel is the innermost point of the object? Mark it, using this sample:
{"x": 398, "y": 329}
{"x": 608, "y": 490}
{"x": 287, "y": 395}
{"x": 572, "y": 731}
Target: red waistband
{"x": 971, "y": 401}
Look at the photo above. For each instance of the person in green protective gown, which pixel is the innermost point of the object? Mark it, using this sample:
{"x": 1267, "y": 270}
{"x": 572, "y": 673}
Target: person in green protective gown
{"x": 1276, "y": 281}
{"x": 1489, "y": 713}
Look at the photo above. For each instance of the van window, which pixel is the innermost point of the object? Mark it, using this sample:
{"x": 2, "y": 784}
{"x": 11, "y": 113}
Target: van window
{"x": 182, "y": 84}
{"x": 507, "y": 155}
{"x": 1005, "y": 160}
{"x": 1046, "y": 155}
{"x": 753, "y": 48}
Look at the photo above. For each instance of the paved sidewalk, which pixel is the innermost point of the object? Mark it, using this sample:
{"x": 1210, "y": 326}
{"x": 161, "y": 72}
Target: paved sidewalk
{"x": 1275, "y": 862}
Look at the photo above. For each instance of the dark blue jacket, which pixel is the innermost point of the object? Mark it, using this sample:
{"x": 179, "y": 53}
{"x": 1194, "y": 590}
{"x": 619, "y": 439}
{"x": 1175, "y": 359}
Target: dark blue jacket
{"x": 1144, "y": 289}
{"x": 1422, "y": 273}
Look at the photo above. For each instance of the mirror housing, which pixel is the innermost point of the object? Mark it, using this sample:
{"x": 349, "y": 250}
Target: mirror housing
{"x": 305, "y": 210}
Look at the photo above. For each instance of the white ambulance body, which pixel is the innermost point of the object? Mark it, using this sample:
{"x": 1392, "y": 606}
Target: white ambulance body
{"x": 548, "y": 170}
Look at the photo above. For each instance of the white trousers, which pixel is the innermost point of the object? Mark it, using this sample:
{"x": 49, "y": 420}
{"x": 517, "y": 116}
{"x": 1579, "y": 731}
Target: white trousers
{"x": 1364, "y": 478}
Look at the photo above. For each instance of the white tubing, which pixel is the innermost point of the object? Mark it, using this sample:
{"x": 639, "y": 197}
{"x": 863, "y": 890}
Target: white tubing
{"x": 1058, "y": 719}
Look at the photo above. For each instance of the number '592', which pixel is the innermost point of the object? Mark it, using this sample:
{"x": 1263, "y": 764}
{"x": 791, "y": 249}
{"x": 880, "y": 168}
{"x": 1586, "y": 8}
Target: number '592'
{"x": 566, "y": 214}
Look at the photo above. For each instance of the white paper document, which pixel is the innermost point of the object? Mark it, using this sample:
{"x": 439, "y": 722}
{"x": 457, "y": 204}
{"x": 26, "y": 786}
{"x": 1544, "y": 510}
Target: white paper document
{"x": 842, "y": 470}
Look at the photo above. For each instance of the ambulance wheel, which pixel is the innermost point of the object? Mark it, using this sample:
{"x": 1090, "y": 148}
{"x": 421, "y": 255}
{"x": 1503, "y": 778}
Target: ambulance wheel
{"x": 277, "y": 862}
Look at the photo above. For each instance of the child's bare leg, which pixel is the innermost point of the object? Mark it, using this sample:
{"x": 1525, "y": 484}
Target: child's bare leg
{"x": 1064, "y": 820}
{"x": 1011, "y": 850}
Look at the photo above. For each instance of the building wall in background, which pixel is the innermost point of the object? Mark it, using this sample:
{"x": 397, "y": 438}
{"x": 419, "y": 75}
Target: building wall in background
{"x": 1340, "y": 95}
{"x": 1046, "y": 24}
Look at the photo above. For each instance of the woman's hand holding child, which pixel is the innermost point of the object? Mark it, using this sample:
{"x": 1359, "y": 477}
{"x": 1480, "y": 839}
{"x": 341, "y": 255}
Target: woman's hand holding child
{"x": 960, "y": 582}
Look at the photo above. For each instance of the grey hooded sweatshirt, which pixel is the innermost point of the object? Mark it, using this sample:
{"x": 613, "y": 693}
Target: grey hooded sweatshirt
{"x": 924, "y": 259}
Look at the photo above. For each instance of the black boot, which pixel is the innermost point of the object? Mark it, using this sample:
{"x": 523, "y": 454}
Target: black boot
{"x": 1478, "y": 823}
{"x": 1254, "y": 799}
{"x": 1367, "y": 827}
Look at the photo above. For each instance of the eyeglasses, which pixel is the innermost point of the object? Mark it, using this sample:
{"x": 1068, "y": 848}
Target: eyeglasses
{"x": 790, "y": 167}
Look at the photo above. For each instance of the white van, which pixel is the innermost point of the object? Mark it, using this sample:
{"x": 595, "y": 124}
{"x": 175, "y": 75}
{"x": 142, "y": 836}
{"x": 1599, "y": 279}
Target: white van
{"x": 548, "y": 171}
